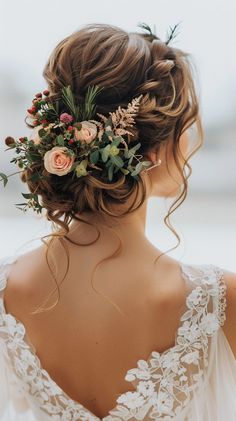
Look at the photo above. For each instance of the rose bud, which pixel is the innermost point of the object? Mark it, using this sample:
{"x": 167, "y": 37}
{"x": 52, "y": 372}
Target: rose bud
{"x": 71, "y": 142}
{"x": 9, "y": 141}
{"x": 39, "y": 95}
{"x": 70, "y": 128}
{"x": 22, "y": 139}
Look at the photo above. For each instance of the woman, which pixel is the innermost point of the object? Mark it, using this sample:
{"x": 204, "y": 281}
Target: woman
{"x": 128, "y": 333}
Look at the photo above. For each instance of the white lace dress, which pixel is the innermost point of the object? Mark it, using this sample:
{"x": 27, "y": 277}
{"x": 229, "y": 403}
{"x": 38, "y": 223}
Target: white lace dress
{"x": 195, "y": 380}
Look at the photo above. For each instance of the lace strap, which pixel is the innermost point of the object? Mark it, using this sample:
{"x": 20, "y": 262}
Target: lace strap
{"x": 221, "y": 296}
{"x": 210, "y": 278}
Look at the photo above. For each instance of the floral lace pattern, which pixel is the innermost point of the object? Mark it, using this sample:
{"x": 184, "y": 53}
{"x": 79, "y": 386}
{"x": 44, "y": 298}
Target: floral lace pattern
{"x": 164, "y": 382}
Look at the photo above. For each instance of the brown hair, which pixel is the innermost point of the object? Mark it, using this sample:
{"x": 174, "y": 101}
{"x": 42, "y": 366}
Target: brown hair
{"x": 125, "y": 65}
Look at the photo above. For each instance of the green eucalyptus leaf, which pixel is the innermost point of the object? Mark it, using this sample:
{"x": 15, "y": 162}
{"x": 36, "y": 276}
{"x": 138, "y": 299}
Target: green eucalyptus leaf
{"x": 116, "y": 141}
{"x": 126, "y": 154}
{"x": 110, "y": 172}
{"x": 137, "y": 170}
{"x": 94, "y": 157}
{"x": 146, "y": 163}
{"x": 60, "y": 140}
{"x": 134, "y": 149}
{"x": 28, "y": 195}
{"x": 35, "y": 177}
{"x": 4, "y": 178}
{"x": 125, "y": 171}
{"x": 117, "y": 160}
{"x": 105, "y": 153}
{"x": 34, "y": 157}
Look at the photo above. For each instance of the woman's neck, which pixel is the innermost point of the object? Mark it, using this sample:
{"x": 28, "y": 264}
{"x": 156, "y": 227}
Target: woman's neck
{"x": 128, "y": 227}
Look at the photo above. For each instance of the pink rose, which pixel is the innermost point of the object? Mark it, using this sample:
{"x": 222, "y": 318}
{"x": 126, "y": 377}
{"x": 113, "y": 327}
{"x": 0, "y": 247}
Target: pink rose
{"x": 66, "y": 118}
{"x": 57, "y": 161}
{"x": 87, "y": 133}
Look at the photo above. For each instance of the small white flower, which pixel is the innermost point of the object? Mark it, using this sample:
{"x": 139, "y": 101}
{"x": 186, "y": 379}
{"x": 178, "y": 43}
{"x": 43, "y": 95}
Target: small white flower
{"x": 191, "y": 357}
{"x": 146, "y": 388}
{"x": 209, "y": 323}
{"x": 189, "y": 330}
{"x": 195, "y": 297}
{"x": 131, "y": 399}
{"x": 164, "y": 403}
{"x": 170, "y": 359}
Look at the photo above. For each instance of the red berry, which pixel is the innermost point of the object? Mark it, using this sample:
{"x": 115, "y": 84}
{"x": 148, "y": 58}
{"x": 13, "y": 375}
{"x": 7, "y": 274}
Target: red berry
{"x": 9, "y": 141}
{"x": 32, "y": 109}
{"x": 46, "y": 92}
{"x": 39, "y": 95}
{"x": 70, "y": 128}
{"x": 71, "y": 141}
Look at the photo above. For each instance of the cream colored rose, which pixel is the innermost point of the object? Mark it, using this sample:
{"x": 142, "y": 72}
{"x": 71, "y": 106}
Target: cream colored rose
{"x": 87, "y": 133}
{"x": 35, "y": 135}
{"x": 57, "y": 161}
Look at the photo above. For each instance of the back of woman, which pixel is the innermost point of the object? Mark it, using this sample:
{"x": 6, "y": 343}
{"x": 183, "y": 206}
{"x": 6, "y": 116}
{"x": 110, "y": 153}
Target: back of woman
{"x": 97, "y": 323}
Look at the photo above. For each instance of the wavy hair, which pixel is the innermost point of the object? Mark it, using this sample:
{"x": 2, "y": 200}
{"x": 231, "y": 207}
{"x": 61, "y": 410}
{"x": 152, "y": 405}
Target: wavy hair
{"x": 125, "y": 64}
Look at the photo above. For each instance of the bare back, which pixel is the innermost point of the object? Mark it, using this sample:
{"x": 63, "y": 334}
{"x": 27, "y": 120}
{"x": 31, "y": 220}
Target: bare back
{"x": 85, "y": 343}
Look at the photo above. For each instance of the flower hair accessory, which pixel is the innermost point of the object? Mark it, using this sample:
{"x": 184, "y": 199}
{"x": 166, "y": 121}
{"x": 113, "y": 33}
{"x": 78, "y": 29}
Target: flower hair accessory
{"x": 68, "y": 142}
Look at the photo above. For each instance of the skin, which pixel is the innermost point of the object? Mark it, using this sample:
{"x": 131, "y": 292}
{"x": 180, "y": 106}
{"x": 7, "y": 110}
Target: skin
{"x": 85, "y": 343}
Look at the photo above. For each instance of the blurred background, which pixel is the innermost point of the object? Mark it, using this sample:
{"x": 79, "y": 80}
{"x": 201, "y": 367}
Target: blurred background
{"x": 206, "y": 221}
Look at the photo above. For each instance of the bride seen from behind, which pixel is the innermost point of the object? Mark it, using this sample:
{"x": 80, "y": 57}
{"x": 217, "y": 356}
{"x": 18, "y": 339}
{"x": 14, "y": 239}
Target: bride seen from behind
{"x": 117, "y": 297}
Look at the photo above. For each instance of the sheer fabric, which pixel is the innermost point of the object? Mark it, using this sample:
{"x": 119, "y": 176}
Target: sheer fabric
{"x": 193, "y": 381}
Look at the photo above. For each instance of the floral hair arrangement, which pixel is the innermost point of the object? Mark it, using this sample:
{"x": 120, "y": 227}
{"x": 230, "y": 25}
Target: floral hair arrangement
{"x": 73, "y": 142}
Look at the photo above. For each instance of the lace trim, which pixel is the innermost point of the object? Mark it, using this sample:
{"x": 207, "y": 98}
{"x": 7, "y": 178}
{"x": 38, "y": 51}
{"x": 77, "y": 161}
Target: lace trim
{"x": 222, "y": 303}
{"x": 163, "y": 387}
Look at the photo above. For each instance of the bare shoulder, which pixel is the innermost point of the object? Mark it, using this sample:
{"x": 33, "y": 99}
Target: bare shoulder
{"x": 229, "y": 326}
{"x": 23, "y": 285}
{"x": 169, "y": 285}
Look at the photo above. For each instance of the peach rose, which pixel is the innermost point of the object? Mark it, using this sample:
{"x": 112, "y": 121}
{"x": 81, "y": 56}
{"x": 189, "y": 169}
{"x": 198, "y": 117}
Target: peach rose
{"x": 57, "y": 161}
{"x": 87, "y": 133}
